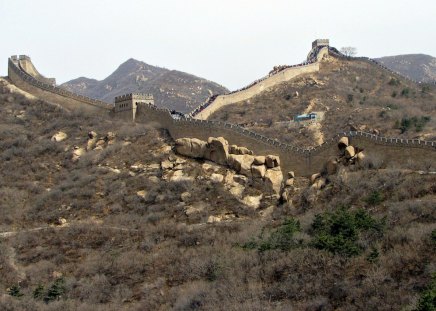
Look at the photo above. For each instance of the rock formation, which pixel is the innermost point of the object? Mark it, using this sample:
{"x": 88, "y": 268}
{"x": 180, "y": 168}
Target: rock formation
{"x": 263, "y": 172}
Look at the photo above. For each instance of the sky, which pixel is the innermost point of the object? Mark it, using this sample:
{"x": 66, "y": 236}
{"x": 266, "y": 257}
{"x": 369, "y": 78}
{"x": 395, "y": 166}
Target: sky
{"x": 231, "y": 42}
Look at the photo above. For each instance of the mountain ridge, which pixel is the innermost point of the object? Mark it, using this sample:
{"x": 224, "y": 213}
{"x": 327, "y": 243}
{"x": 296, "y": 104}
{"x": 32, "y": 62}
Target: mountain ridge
{"x": 419, "y": 67}
{"x": 172, "y": 89}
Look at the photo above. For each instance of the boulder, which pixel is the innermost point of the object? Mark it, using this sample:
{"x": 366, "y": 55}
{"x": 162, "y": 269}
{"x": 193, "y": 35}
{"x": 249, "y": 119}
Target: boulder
{"x": 233, "y": 149}
{"x": 142, "y": 193}
{"x": 91, "y": 144}
{"x": 185, "y": 196}
{"x": 343, "y": 143}
{"x": 331, "y": 167}
{"x": 272, "y": 161}
{"x": 259, "y": 160}
{"x": 214, "y": 219}
{"x": 314, "y": 177}
{"x": 217, "y": 150}
{"x": 258, "y": 171}
{"x": 350, "y": 152}
{"x": 217, "y": 178}
{"x": 241, "y": 163}
{"x": 291, "y": 174}
{"x": 77, "y": 153}
{"x": 252, "y": 201}
{"x": 319, "y": 183}
{"x": 191, "y": 147}
{"x": 92, "y": 135}
{"x": 166, "y": 165}
{"x": 273, "y": 180}
{"x": 110, "y": 136}
{"x": 59, "y": 136}
{"x": 289, "y": 182}
{"x": 360, "y": 157}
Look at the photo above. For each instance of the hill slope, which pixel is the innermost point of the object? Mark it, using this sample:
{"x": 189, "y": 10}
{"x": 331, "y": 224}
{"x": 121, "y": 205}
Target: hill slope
{"x": 349, "y": 95}
{"x": 171, "y": 88}
{"x": 419, "y": 67}
{"x": 115, "y": 230}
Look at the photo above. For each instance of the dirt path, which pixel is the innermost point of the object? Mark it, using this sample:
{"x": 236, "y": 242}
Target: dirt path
{"x": 68, "y": 225}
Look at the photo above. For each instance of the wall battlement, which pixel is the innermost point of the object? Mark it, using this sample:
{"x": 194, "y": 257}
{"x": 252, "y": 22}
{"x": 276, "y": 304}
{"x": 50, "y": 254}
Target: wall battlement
{"x": 134, "y": 96}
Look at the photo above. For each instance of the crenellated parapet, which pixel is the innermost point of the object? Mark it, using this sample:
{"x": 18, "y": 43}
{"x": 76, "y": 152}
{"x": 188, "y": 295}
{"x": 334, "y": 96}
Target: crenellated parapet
{"x": 134, "y": 96}
{"x": 126, "y": 105}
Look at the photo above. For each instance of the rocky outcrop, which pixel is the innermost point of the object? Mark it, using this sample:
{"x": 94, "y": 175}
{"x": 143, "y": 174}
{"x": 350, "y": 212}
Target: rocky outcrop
{"x": 217, "y": 150}
{"x": 273, "y": 180}
{"x": 191, "y": 147}
{"x": 262, "y": 172}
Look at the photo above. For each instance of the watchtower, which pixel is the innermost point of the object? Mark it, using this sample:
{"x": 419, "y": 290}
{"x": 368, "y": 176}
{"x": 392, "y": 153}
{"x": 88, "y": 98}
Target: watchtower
{"x": 126, "y": 105}
{"x": 320, "y": 42}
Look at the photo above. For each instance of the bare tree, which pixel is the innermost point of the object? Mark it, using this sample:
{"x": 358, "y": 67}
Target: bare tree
{"x": 349, "y": 51}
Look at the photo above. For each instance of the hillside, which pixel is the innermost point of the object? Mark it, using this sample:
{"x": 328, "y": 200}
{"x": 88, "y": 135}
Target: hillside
{"x": 350, "y": 95}
{"x": 419, "y": 67}
{"x": 171, "y": 88}
{"x": 108, "y": 217}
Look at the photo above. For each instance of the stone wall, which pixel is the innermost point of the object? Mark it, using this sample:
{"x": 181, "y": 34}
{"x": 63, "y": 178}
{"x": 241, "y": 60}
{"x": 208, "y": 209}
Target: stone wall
{"x": 27, "y": 66}
{"x": 303, "y": 162}
{"x": 264, "y": 84}
{"x": 285, "y": 75}
{"x": 52, "y": 93}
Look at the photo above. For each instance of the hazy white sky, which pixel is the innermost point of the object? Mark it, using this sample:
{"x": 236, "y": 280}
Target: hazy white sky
{"x": 232, "y": 42}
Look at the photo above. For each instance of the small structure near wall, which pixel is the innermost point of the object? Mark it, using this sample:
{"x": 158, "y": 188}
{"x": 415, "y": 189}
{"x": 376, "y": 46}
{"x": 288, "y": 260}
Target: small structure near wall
{"x": 126, "y": 105}
{"x": 306, "y": 117}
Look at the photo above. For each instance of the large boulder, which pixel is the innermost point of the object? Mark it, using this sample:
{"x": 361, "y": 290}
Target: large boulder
{"x": 343, "y": 143}
{"x": 259, "y": 160}
{"x": 350, "y": 152}
{"x": 360, "y": 157}
{"x": 191, "y": 147}
{"x": 314, "y": 177}
{"x": 241, "y": 163}
{"x": 258, "y": 171}
{"x": 233, "y": 149}
{"x": 273, "y": 180}
{"x": 217, "y": 150}
{"x": 272, "y": 161}
{"x": 59, "y": 136}
{"x": 77, "y": 153}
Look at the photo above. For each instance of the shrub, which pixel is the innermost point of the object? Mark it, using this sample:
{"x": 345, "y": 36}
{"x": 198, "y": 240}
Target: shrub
{"x": 281, "y": 238}
{"x": 417, "y": 122}
{"x": 394, "y": 82}
{"x": 394, "y": 94}
{"x": 338, "y": 232}
{"x": 55, "y": 291}
{"x": 350, "y": 98}
{"x": 374, "y": 198}
{"x": 405, "y": 92}
{"x": 38, "y": 293}
{"x": 15, "y": 291}
{"x": 427, "y": 300}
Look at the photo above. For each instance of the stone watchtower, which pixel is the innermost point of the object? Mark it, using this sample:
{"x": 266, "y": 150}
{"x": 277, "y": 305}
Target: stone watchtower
{"x": 126, "y": 105}
{"x": 320, "y": 42}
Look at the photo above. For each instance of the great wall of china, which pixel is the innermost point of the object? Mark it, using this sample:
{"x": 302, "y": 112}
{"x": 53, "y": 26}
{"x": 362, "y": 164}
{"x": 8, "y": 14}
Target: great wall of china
{"x": 304, "y": 162}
